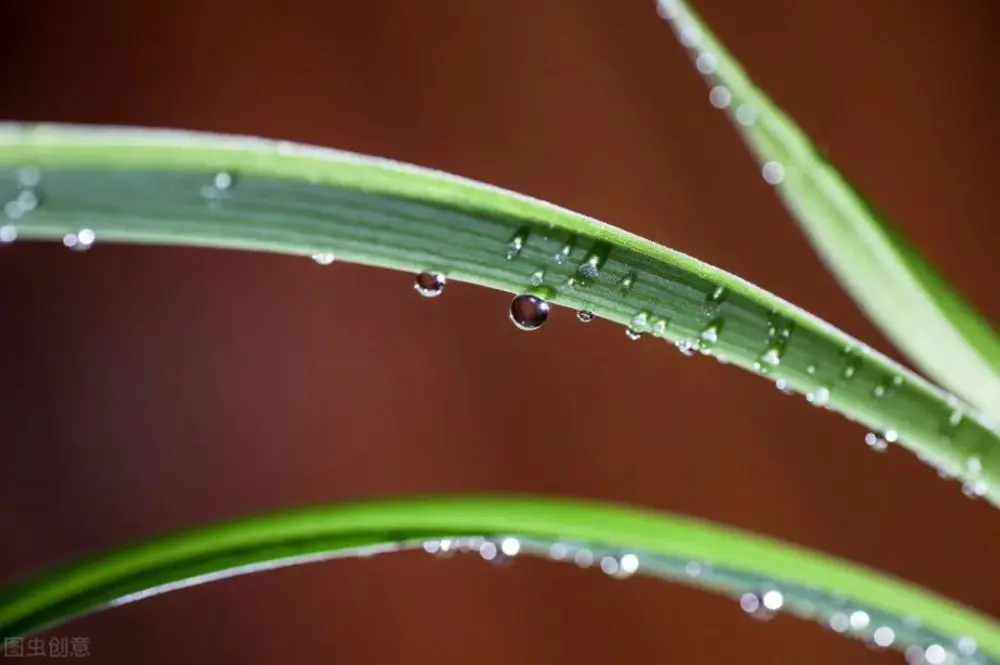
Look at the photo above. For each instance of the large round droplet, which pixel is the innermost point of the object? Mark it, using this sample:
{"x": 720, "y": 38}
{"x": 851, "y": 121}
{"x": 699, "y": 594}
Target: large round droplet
{"x": 529, "y": 312}
{"x": 430, "y": 284}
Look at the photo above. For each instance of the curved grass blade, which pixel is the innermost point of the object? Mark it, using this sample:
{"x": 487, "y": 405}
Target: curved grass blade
{"x": 892, "y": 282}
{"x": 765, "y": 575}
{"x": 79, "y": 184}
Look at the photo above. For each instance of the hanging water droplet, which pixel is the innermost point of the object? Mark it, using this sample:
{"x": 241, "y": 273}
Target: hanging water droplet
{"x": 975, "y": 488}
{"x": 974, "y": 465}
{"x": 430, "y": 284}
{"x": 685, "y": 347}
{"x": 510, "y": 546}
{"x": 488, "y": 550}
{"x": 324, "y": 258}
{"x": 529, "y": 312}
{"x": 609, "y": 565}
{"x": 746, "y": 116}
{"x": 891, "y": 435}
{"x": 585, "y": 316}
{"x": 753, "y": 604}
{"x": 8, "y": 234}
{"x": 720, "y": 97}
{"x": 692, "y": 569}
{"x": 80, "y": 241}
{"x": 859, "y": 620}
{"x": 688, "y": 33}
{"x": 839, "y": 622}
{"x": 537, "y": 278}
{"x": 558, "y": 551}
{"x": 583, "y": 558}
{"x": 914, "y": 655}
{"x": 772, "y": 600}
{"x": 628, "y": 564}
{"x": 782, "y": 385}
{"x": 773, "y": 173}
{"x": 706, "y": 63}
{"x": 876, "y": 443}
{"x": 819, "y": 397}
{"x": 442, "y": 548}
{"x": 639, "y": 322}
{"x": 633, "y": 334}
{"x": 883, "y": 636}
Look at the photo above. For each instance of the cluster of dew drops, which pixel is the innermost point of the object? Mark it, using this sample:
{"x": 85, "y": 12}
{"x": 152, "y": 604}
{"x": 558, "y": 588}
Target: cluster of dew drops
{"x": 761, "y": 605}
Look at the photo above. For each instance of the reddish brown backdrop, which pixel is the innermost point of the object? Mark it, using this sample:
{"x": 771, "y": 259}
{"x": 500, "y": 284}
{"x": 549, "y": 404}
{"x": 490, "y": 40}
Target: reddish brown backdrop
{"x": 148, "y": 389}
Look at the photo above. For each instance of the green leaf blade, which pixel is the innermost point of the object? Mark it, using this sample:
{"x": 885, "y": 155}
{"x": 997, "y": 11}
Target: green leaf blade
{"x": 159, "y": 187}
{"x": 728, "y": 561}
{"x": 885, "y": 275}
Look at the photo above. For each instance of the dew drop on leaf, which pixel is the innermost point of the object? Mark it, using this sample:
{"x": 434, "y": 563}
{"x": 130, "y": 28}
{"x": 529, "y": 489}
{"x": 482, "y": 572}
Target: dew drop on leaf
{"x": 753, "y": 604}
{"x": 80, "y": 241}
{"x": 529, "y": 312}
{"x": 876, "y": 443}
{"x": 430, "y": 284}
{"x": 323, "y": 258}
{"x": 8, "y": 234}
{"x": 585, "y": 316}
{"x": 819, "y": 397}
{"x": 773, "y": 172}
{"x": 633, "y": 334}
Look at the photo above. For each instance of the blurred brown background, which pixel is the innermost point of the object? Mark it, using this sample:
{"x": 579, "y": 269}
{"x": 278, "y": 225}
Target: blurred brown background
{"x": 149, "y": 389}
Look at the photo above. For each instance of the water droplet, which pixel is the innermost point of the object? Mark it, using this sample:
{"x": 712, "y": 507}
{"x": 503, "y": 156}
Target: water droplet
{"x": 974, "y": 465}
{"x": 29, "y": 176}
{"x": 628, "y": 564}
{"x": 811, "y": 370}
{"x": 685, "y": 347}
{"x": 967, "y": 646}
{"x": 878, "y": 391}
{"x": 583, "y": 558}
{"x": 442, "y": 548}
{"x": 633, "y": 334}
{"x": 628, "y": 281}
{"x": 884, "y": 636}
{"x": 590, "y": 269}
{"x": 529, "y": 312}
{"x": 640, "y": 322}
{"x": 692, "y": 569}
{"x": 975, "y": 488}
{"x": 891, "y": 435}
{"x": 8, "y": 234}
{"x": 773, "y": 600}
{"x": 935, "y": 654}
{"x": 222, "y": 181}
{"x": 955, "y": 419}
{"x": 752, "y": 604}
{"x": 688, "y": 33}
{"x": 768, "y": 360}
{"x": 859, "y": 620}
{"x": 839, "y": 622}
{"x": 706, "y": 63}
{"x": 720, "y": 97}
{"x": 746, "y": 116}
{"x": 324, "y": 258}
{"x": 558, "y": 551}
{"x": 510, "y": 546}
{"x": 783, "y": 386}
{"x": 773, "y": 173}
{"x": 710, "y": 335}
{"x": 80, "y": 241}
{"x": 516, "y": 244}
{"x": 819, "y": 397}
{"x": 563, "y": 253}
{"x": 876, "y": 443}
{"x": 430, "y": 284}
{"x": 488, "y": 550}
{"x": 914, "y": 655}
{"x": 585, "y": 316}
{"x": 537, "y": 278}
{"x": 659, "y": 328}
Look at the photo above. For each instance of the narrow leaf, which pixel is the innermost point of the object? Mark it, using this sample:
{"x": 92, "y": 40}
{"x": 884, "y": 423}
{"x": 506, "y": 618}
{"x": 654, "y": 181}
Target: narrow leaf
{"x": 895, "y": 286}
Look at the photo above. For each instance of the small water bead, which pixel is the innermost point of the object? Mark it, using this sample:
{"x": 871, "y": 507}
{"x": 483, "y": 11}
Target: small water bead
{"x": 692, "y": 569}
{"x": 516, "y": 245}
{"x": 914, "y": 655}
{"x": 783, "y": 386}
{"x": 839, "y": 622}
{"x": 324, "y": 258}
{"x": 768, "y": 360}
{"x": 859, "y": 620}
{"x": 773, "y": 172}
{"x": 442, "y": 548}
{"x": 685, "y": 347}
{"x": 29, "y": 176}
{"x": 746, "y": 116}
{"x": 753, "y": 604}
{"x": 688, "y": 33}
{"x": 876, "y": 443}
{"x": 222, "y": 181}
{"x": 659, "y": 328}
{"x": 8, "y": 234}
{"x": 720, "y": 97}
{"x": 935, "y": 654}
{"x": 975, "y": 489}
{"x": 585, "y": 316}
{"x": 710, "y": 334}
{"x": 628, "y": 564}
{"x": 667, "y": 9}
{"x": 884, "y": 636}
{"x": 537, "y": 278}
{"x": 633, "y": 334}
{"x": 80, "y": 241}
{"x": 558, "y": 551}
{"x": 773, "y": 600}
{"x": 529, "y": 312}
{"x": 590, "y": 268}
{"x": 967, "y": 646}
{"x": 706, "y": 63}
{"x": 563, "y": 253}
{"x": 583, "y": 558}
{"x": 628, "y": 281}
{"x": 811, "y": 370}
{"x": 819, "y": 397}
{"x": 430, "y": 284}
{"x": 640, "y": 322}
{"x": 488, "y": 551}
